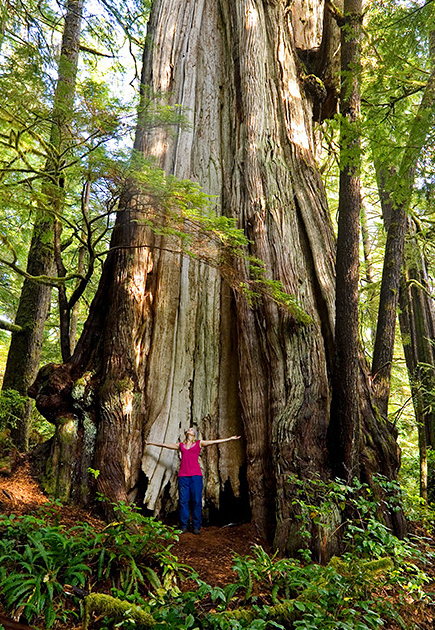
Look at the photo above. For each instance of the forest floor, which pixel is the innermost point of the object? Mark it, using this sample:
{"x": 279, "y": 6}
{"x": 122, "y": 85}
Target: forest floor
{"x": 211, "y": 554}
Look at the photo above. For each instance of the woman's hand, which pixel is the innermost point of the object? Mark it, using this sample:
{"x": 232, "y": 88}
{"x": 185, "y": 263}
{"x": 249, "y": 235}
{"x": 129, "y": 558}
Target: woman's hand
{"x": 210, "y": 442}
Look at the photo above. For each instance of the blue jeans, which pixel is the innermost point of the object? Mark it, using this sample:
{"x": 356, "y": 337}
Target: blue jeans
{"x": 190, "y": 490}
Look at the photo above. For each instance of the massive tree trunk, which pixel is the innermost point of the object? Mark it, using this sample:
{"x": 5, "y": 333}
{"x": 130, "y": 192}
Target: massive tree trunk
{"x": 26, "y": 345}
{"x": 168, "y": 343}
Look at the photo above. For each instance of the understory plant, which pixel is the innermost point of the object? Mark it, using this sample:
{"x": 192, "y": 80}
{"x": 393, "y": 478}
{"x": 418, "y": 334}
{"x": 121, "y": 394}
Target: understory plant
{"x": 271, "y": 592}
{"x": 349, "y": 593}
{"x": 130, "y": 578}
{"x": 39, "y": 558}
{"x": 36, "y": 561}
{"x": 362, "y": 534}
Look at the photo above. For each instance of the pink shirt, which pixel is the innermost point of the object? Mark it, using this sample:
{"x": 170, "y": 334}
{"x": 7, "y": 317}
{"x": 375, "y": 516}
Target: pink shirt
{"x": 189, "y": 466}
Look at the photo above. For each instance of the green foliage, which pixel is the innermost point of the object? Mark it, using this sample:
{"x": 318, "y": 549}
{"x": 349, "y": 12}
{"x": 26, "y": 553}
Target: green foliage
{"x": 132, "y": 558}
{"x": 281, "y": 593}
{"x": 95, "y": 473}
{"x": 40, "y": 430}
{"x": 41, "y": 162}
{"x": 6, "y": 446}
{"x": 12, "y": 404}
{"x": 134, "y": 553}
{"x": 334, "y": 508}
{"x": 38, "y": 558}
{"x": 180, "y": 209}
{"x": 396, "y": 69}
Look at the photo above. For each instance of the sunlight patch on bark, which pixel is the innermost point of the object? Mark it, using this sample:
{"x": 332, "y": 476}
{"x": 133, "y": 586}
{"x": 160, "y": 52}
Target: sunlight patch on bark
{"x": 251, "y": 17}
{"x": 159, "y": 148}
{"x": 307, "y": 21}
{"x": 295, "y": 120}
{"x": 128, "y": 403}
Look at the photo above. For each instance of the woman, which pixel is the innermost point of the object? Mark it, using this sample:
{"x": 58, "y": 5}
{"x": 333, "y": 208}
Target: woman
{"x": 190, "y": 476}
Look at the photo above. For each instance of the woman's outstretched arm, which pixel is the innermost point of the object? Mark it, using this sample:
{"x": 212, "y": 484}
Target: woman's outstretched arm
{"x": 210, "y": 442}
{"x": 174, "y": 447}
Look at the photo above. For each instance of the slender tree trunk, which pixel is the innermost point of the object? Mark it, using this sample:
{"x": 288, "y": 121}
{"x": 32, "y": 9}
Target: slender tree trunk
{"x": 25, "y": 348}
{"x": 422, "y": 450}
{"x": 366, "y": 246}
{"x": 416, "y": 309}
{"x": 417, "y": 325}
{"x": 81, "y": 263}
{"x": 345, "y": 429}
{"x": 399, "y": 190}
{"x": 370, "y": 288}
{"x": 176, "y": 346}
{"x": 3, "y": 18}
{"x": 26, "y": 343}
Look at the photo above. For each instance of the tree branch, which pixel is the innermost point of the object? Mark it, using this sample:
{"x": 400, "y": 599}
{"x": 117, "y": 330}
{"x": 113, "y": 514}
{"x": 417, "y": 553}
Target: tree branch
{"x": 5, "y": 325}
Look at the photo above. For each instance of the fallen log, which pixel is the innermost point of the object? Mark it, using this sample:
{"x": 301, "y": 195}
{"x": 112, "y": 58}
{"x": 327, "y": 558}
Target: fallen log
{"x": 10, "y": 624}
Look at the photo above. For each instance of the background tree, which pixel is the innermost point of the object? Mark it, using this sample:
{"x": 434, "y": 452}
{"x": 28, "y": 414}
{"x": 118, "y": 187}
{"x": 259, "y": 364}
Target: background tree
{"x": 400, "y": 193}
{"x": 399, "y": 103}
{"x": 55, "y": 159}
{"x": 346, "y": 426}
{"x": 25, "y": 349}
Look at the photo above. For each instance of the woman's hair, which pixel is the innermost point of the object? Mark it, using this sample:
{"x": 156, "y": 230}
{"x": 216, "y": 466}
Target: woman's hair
{"x": 191, "y": 429}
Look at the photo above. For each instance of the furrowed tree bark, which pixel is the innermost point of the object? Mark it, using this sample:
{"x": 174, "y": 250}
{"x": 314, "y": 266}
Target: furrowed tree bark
{"x": 366, "y": 246}
{"x": 417, "y": 327}
{"x": 345, "y": 427}
{"x": 370, "y": 288}
{"x": 26, "y": 344}
{"x": 168, "y": 344}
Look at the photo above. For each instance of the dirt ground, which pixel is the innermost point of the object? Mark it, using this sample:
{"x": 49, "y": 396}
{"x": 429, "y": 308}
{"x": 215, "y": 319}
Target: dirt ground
{"x": 20, "y": 493}
{"x": 211, "y": 553}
